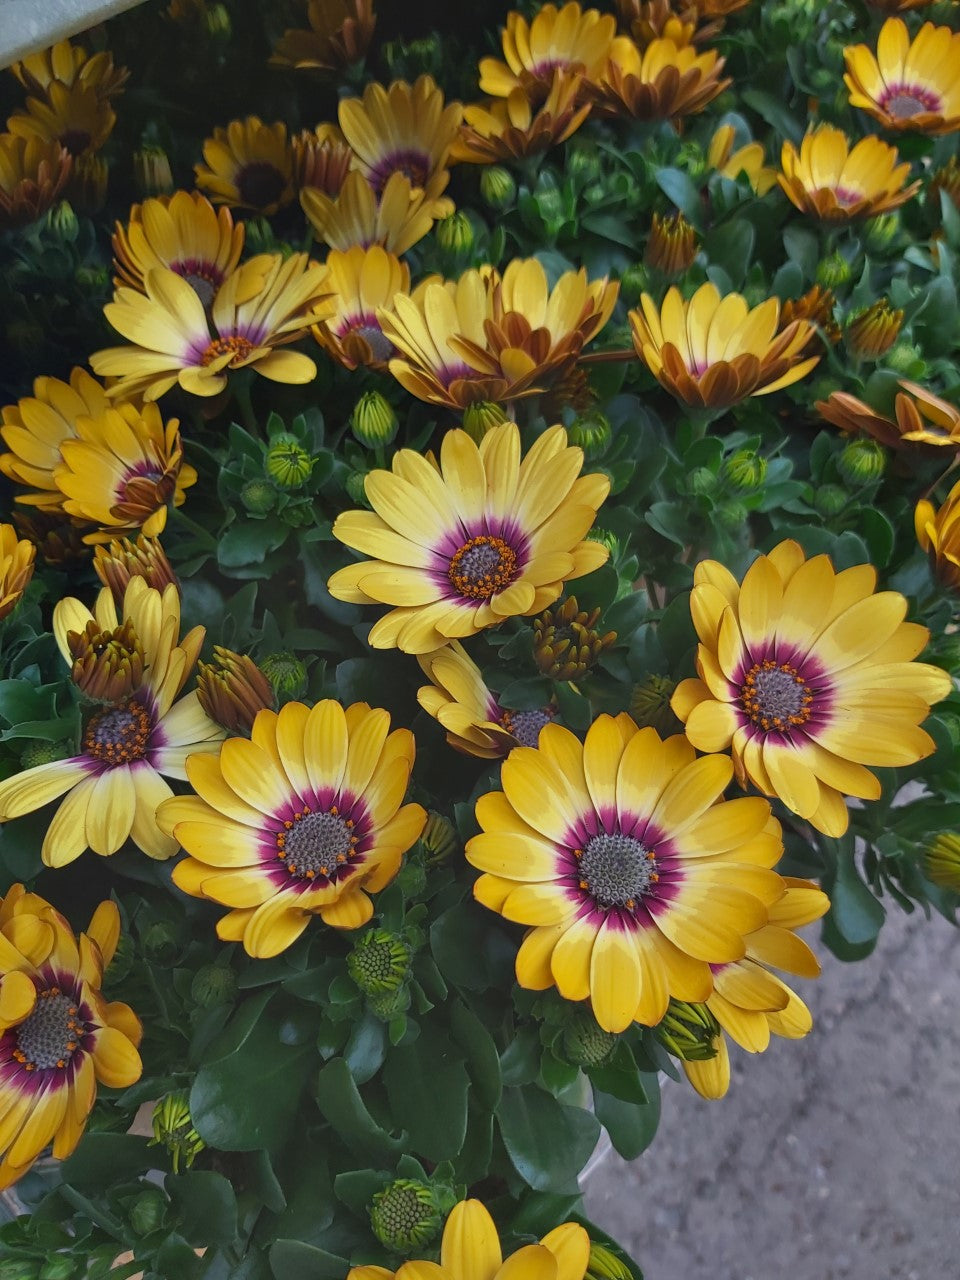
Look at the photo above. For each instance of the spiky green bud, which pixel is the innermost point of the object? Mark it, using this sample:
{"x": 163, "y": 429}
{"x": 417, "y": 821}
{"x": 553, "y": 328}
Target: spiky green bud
{"x": 584, "y": 1041}
{"x": 829, "y": 500}
{"x": 688, "y": 1031}
{"x": 941, "y": 862}
{"x": 42, "y": 752}
{"x": 834, "y": 271}
{"x": 880, "y": 233}
{"x": 355, "y": 485}
{"x": 259, "y": 497}
{"x": 439, "y": 838}
{"x": 389, "y": 1004}
{"x": 455, "y": 234}
{"x": 862, "y": 462}
{"x": 373, "y": 420}
{"x": 592, "y": 432}
{"x": 605, "y": 1265}
{"x": 606, "y": 539}
{"x": 64, "y": 222}
{"x": 379, "y": 962}
{"x": 287, "y": 462}
{"x": 744, "y": 471}
{"x": 405, "y": 1216}
{"x": 213, "y": 984}
{"x": 498, "y": 187}
{"x": 906, "y": 359}
{"x": 650, "y": 704}
{"x": 287, "y": 675}
{"x": 146, "y": 1212}
{"x": 480, "y": 417}
{"x": 173, "y": 1129}
{"x": 634, "y": 281}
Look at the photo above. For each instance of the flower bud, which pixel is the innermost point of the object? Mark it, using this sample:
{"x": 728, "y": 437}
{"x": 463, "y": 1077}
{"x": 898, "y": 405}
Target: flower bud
{"x": 905, "y": 358}
{"x": 606, "y": 539}
{"x": 874, "y": 330}
{"x": 287, "y": 462}
{"x": 120, "y": 560}
{"x": 701, "y": 480}
{"x": 834, "y": 271}
{"x": 88, "y": 183}
{"x": 43, "y": 752}
{"x": 744, "y": 471}
{"x": 213, "y": 984}
{"x": 672, "y": 245}
{"x": 605, "y": 1265}
{"x": 565, "y": 642}
{"x": 941, "y": 862}
{"x": 287, "y": 675}
{"x": 146, "y": 1212}
{"x": 692, "y": 159}
{"x": 64, "y": 222}
{"x": 217, "y": 21}
{"x": 438, "y": 837}
{"x": 688, "y": 1031}
{"x": 862, "y": 462}
{"x": 405, "y": 1216}
{"x": 480, "y": 417}
{"x": 498, "y": 187}
{"x": 946, "y": 178}
{"x": 389, "y": 1004}
{"x": 173, "y": 1129}
{"x": 879, "y": 233}
{"x": 583, "y": 161}
{"x": 107, "y": 665}
{"x": 259, "y": 497}
{"x": 829, "y": 500}
{"x": 584, "y": 1042}
{"x": 592, "y": 432}
{"x": 816, "y": 305}
{"x": 650, "y": 704}
{"x": 455, "y": 234}
{"x": 162, "y": 942}
{"x": 355, "y": 485}
{"x": 152, "y": 175}
{"x": 373, "y": 421}
{"x": 379, "y": 962}
{"x": 232, "y": 689}
{"x": 634, "y": 281}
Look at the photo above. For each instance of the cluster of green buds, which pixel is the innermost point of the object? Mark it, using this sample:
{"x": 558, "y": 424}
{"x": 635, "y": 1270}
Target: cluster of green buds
{"x": 107, "y": 666}
{"x": 406, "y": 1215}
{"x": 874, "y": 330}
{"x": 650, "y": 704}
{"x": 565, "y": 642}
{"x": 689, "y": 1031}
{"x": 232, "y": 689}
{"x": 173, "y": 1129}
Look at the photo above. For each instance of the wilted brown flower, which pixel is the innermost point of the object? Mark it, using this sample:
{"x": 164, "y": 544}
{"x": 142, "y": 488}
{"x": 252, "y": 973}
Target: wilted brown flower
{"x": 663, "y": 82}
{"x": 923, "y": 422}
{"x": 566, "y": 643}
{"x": 874, "y": 330}
{"x": 340, "y": 34}
{"x": 321, "y": 159}
{"x": 16, "y": 568}
{"x": 232, "y": 689}
{"x": 120, "y": 560}
{"x": 510, "y": 128}
{"x": 107, "y": 664}
{"x": 672, "y": 244}
{"x": 33, "y": 173}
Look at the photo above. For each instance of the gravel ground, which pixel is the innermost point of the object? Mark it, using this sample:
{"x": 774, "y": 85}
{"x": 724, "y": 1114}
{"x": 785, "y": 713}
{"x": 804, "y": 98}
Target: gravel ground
{"x": 833, "y": 1158}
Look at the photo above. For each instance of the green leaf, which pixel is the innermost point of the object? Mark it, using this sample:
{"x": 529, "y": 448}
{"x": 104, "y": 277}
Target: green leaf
{"x": 483, "y": 1062}
{"x": 249, "y": 541}
{"x": 207, "y": 1205}
{"x": 468, "y": 952}
{"x": 730, "y": 246}
{"x": 20, "y": 700}
{"x": 294, "y": 1260}
{"x": 548, "y": 1143}
{"x": 340, "y": 1101}
{"x": 427, "y": 1085}
{"x": 774, "y": 112}
{"x": 803, "y": 248}
{"x": 366, "y": 1048}
{"x": 855, "y": 912}
{"x": 678, "y": 187}
{"x": 102, "y": 1159}
{"x": 631, "y": 1125}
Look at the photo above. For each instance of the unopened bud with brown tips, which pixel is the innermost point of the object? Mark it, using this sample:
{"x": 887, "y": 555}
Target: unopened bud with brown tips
{"x": 120, "y": 560}
{"x": 232, "y": 690}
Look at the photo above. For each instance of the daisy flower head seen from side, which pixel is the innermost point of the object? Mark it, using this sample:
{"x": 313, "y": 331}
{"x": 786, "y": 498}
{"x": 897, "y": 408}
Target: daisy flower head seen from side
{"x": 631, "y": 871}
{"x": 355, "y": 215}
{"x": 59, "y": 1038}
{"x": 806, "y": 675}
{"x": 483, "y": 537}
{"x": 33, "y": 174}
{"x": 908, "y": 84}
{"x": 137, "y": 731}
{"x": 17, "y": 557}
{"x": 362, "y": 281}
{"x": 183, "y": 233}
{"x": 938, "y": 533}
{"x": 305, "y": 818}
{"x": 831, "y": 179}
{"x": 569, "y": 39}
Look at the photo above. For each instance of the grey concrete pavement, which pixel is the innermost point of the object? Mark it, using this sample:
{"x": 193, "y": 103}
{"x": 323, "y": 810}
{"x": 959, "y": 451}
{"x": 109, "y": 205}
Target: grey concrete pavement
{"x": 833, "y": 1158}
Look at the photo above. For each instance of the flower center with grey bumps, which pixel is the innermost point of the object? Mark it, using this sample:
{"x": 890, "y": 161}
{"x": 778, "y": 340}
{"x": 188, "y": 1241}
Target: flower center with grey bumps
{"x": 51, "y": 1033}
{"x": 316, "y": 844}
{"x": 616, "y": 869}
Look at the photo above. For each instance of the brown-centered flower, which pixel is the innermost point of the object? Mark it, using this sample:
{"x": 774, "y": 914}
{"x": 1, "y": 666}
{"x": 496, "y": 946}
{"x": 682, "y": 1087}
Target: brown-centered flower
{"x": 248, "y": 165}
{"x": 511, "y": 128}
{"x": 339, "y": 34}
{"x": 33, "y": 174}
{"x": 663, "y": 82}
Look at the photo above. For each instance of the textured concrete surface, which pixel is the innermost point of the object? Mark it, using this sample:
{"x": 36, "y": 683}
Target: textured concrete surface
{"x": 833, "y": 1158}
{"x": 28, "y": 25}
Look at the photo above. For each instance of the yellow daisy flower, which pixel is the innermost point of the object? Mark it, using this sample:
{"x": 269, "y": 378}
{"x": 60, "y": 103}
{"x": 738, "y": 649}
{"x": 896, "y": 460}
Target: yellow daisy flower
{"x": 363, "y": 281}
{"x": 305, "y": 818}
{"x": 566, "y": 39}
{"x": 632, "y": 871}
{"x": 248, "y": 165}
{"x": 807, "y": 676}
{"x": 264, "y": 304}
{"x": 829, "y": 179}
{"x": 340, "y": 33}
{"x": 115, "y": 783}
{"x": 482, "y": 538}
{"x": 59, "y": 1038}
{"x": 714, "y": 351}
{"x": 471, "y": 1250}
{"x": 938, "y": 533}
{"x": 123, "y": 470}
{"x": 33, "y": 174}
{"x": 908, "y": 84}
{"x": 70, "y": 64}
{"x": 748, "y": 1001}
{"x": 16, "y": 568}
{"x": 183, "y": 233}
{"x": 648, "y": 20}
{"x": 748, "y": 159}
{"x": 74, "y": 115}
{"x": 492, "y": 337}
{"x": 510, "y": 128}
{"x": 401, "y": 129}
{"x": 663, "y": 82}
{"x": 475, "y": 722}
{"x": 36, "y": 426}
{"x": 355, "y": 216}
{"x": 923, "y": 423}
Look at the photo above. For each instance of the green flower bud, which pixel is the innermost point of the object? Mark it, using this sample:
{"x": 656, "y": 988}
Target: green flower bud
{"x": 605, "y": 1265}
{"x": 173, "y": 1129}
{"x": 584, "y": 1041}
{"x": 455, "y": 234}
{"x": 596, "y": 193}
{"x": 405, "y": 1216}
{"x": 389, "y": 1004}
{"x": 356, "y": 489}
{"x": 91, "y": 278}
{"x": 731, "y": 516}
{"x": 862, "y": 462}
{"x": 634, "y": 281}
{"x": 829, "y": 500}
{"x": 549, "y": 202}
{"x": 64, "y": 222}
{"x": 834, "y": 271}
{"x": 152, "y": 175}
{"x": 59, "y": 1268}
{"x": 498, "y": 187}
{"x": 259, "y": 497}
{"x": 260, "y": 237}
{"x": 287, "y": 462}
{"x": 906, "y": 359}
{"x": 480, "y": 417}
{"x": 880, "y": 233}
{"x": 217, "y": 21}
{"x": 688, "y": 1031}
{"x": 941, "y": 862}
{"x": 439, "y": 838}
{"x": 592, "y": 432}
{"x": 287, "y": 675}
{"x": 379, "y": 962}
{"x": 744, "y": 471}
{"x": 650, "y": 704}
{"x": 373, "y": 420}
{"x": 701, "y": 480}
{"x": 692, "y": 159}
{"x": 42, "y": 752}
{"x": 212, "y": 985}
{"x": 146, "y": 1212}
{"x": 583, "y": 161}
{"x": 162, "y": 941}
{"x": 606, "y": 539}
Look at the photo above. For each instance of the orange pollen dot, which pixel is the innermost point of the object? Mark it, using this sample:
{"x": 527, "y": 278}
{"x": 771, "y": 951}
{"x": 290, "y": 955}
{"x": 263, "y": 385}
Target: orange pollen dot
{"x": 237, "y": 346}
{"x": 118, "y": 735}
{"x": 482, "y": 566}
{"x": 775, "y": 696}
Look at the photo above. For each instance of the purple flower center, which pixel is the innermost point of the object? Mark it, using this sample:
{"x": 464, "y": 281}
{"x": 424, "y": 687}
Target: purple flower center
{"x": 903, "y": 101}
{"x": 526, "y": 725}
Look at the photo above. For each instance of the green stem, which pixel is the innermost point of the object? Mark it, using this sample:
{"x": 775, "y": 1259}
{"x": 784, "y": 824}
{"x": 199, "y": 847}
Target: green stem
{"x": 241, "y": 387}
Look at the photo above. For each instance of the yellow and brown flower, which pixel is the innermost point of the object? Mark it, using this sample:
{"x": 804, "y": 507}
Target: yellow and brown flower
{"x": 183, "y": 233}
{"x": 908, "y": 84}
{"x": 817, "y": 306}
{"x": 511, "y": 129}
{"x": 831, "y": 180}
{"x": 33, "y": 174}
{"x": 340, "y": 33}
{"x": 248, "y": 165}
{"x": 119, "y": 560}
{"x": 74, "y": 115}
{"x": 321, "y": 159}
{"x": 232, "y": 689}
{"x": 396, "y": 220}
{"x": 569, "y": 39}
{"x": 922, "y": 421}
{"x": 648, "y": 20}
{"x": 364, "y": 282}
{"x": 663, "y": 82}
{"x": 70, "y": 64}
{"x": 672, "y": 245}
{"x": 873, "y": 331}
{"x": 748, "y": 159}
{"x": 938, "y": 533}
{"x": 16, "y": 568}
